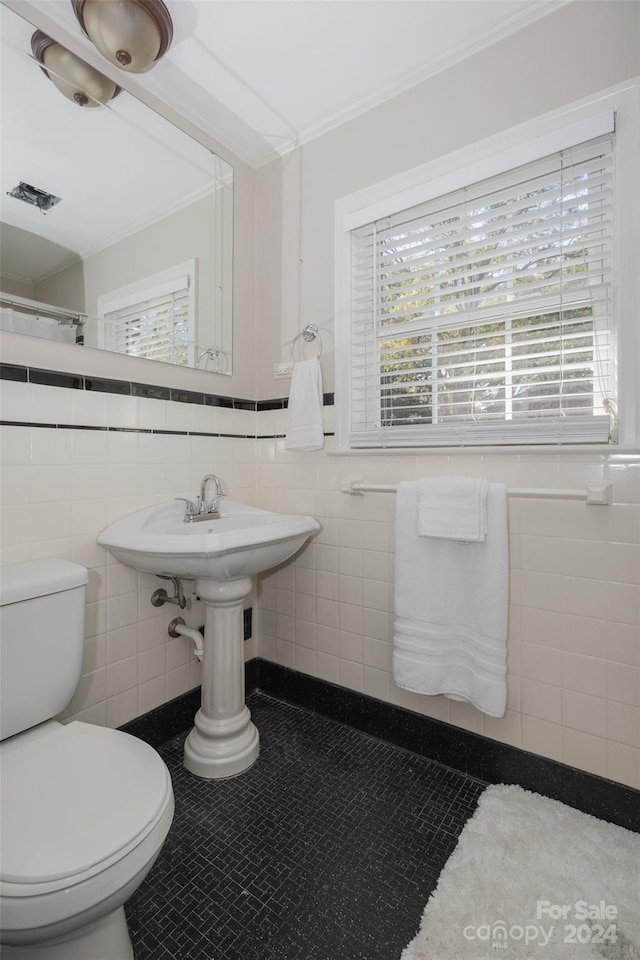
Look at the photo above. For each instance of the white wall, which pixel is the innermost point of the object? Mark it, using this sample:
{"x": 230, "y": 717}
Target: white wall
{"x": 574, "y": 644}
{"x": 16, "y": 287}
{"x": 62, "y": 289}
{"x": 188, "y": 234}
{"x": 574, "y": 636}
{"x": 585, "y": 47}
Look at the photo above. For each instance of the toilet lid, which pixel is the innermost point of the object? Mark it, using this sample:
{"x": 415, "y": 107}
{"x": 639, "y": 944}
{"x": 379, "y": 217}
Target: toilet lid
{"x": 73, "y": 798}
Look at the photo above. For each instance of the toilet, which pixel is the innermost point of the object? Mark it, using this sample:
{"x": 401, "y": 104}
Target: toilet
{"x": 84, "y": 809}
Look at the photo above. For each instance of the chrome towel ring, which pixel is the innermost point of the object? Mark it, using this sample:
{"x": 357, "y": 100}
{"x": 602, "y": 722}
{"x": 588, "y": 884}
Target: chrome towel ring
{"x": 309, "y": 334}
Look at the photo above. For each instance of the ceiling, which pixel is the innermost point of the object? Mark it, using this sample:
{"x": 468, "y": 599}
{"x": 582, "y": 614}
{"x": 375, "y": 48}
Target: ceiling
{"x": 261, "y": 76}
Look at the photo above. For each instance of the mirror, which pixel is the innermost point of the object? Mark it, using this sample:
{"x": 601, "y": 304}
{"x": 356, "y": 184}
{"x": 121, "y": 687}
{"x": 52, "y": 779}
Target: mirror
{"x": 138, "y": 236}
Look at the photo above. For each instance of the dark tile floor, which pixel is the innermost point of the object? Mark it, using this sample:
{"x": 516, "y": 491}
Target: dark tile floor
{"x": 327, "y": 849}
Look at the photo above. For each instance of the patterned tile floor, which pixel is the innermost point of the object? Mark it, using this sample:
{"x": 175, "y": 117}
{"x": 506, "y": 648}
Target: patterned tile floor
{"x": 327, "y": 849}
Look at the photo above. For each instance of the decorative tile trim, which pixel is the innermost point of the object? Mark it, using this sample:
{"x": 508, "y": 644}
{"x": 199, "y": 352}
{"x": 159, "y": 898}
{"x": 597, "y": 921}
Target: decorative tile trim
{"x": 172, "y": 433}
{"x": 75, "y": 381}
{"x": 467, "y": 752}
{"x": 9, "y": 371}
{"x": 52, "y": 378}
{"x": 150, "y": 392}
{"x": 55, "y": 378}
{"x": 99, "y": 385}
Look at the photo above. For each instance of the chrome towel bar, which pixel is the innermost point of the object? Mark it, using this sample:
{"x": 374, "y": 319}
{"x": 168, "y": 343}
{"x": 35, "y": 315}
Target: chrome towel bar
{"x": 595, "y": 493}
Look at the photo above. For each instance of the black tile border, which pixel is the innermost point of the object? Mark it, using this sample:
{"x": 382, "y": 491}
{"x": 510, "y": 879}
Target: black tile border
{"x": 54, "y": 378}
{"x": 166, "y": 721}
{"x": 464, "y": 751}
{"x": 148, "y": 391}
{"x": 467, "y": 752}
{"x": 171, "y": 433}
{"x": 10, "y": 371}
{"x": 29, "y": 424}
{"x": 76, "y": 381}
{"x": 100, "y": 385}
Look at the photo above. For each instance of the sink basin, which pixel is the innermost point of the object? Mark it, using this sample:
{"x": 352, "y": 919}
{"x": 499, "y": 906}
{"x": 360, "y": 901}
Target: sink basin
{"x": 243, "y": 541}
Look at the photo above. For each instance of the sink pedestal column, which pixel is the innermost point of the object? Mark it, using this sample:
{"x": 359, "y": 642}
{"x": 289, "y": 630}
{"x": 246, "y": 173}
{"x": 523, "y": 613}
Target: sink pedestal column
{"x": 224, "y": 741}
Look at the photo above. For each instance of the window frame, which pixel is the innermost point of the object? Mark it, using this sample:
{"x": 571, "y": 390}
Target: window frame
{"x": 487, "y": 158}
{"x": 149, "y": 288}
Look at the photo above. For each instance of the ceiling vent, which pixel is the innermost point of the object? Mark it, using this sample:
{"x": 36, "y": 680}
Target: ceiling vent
{"x": 38, "y": 198}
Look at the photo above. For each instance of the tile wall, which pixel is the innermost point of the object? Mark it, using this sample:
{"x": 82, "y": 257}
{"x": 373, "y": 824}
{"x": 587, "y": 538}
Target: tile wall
{"x": 574, "y": 634}
{"x": 61, "y": 485}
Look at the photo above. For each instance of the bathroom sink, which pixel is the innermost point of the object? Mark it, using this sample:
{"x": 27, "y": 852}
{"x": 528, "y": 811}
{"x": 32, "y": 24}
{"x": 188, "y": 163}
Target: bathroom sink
{"x": 241, "y": 542}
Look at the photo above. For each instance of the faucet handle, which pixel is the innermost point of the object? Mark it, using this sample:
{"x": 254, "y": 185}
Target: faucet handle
{"x": 191, "y": 510}
{"x": 211, "y": 506}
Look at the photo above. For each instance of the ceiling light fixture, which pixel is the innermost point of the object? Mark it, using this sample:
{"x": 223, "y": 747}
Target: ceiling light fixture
{"x": 131, "y": 34}
{"x": 74, "y": 78}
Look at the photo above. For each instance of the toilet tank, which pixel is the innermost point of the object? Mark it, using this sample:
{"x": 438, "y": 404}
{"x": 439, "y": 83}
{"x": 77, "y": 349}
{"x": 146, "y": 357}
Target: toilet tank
{"x": 41, "y": 640}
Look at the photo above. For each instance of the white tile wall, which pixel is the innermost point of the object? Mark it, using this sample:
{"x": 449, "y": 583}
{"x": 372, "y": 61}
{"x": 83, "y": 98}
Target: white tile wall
{"x": 60, "y": 487}
{"x": 574, "y": 635}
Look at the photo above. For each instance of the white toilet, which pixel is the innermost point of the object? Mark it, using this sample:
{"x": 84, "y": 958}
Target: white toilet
{"x": 84, "y": 809}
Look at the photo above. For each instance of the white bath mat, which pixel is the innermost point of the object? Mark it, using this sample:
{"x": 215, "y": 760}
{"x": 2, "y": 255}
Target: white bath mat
{"x": 532, "y": 877}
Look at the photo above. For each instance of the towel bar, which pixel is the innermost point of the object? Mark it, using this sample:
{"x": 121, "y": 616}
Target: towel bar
{"x": 595, "y": 493}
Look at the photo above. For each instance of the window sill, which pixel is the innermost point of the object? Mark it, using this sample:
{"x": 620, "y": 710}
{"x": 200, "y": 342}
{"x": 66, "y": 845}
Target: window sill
{"x": 599, "y": 449}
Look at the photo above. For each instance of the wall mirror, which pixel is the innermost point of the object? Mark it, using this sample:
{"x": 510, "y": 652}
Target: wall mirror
{"x": 140, "y": 228}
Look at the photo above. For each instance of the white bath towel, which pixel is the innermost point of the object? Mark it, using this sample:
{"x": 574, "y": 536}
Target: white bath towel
{"x": 451, "y": 605}
{"x": 304, "y": 413}
{"x": 453, "y": 508}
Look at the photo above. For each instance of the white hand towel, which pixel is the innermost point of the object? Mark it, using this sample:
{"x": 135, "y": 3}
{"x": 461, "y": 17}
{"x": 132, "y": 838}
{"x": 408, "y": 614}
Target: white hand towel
{"x": 451, "y": 606}
{"x": 304, "y": 413}
{"x": 453, "y": 508}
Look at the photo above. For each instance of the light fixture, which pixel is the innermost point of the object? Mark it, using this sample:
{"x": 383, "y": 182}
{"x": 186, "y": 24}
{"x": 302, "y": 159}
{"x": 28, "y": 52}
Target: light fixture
{"x": 74, "y": 78}
{"x": 131, "y": 34}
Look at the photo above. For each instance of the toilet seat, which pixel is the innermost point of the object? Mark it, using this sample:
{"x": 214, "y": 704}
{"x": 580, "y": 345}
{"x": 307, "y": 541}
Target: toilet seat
{"x": 89, "y": 809}
{"x": 62, "y": 794}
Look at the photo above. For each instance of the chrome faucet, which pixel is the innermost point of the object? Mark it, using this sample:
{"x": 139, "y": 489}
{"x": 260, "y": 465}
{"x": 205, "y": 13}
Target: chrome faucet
{"x": 210, "y": 506}
{"x": 201, "y": 508}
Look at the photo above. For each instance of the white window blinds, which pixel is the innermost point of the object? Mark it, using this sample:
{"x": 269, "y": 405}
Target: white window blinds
{"x": 156, "y": 325}
{"x": 485, "y": 316}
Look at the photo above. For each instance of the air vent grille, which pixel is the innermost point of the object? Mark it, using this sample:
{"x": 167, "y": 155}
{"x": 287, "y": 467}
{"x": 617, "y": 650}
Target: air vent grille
{"x": 33, "y": 195}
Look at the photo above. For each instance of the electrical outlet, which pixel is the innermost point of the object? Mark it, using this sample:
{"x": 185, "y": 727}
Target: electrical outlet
{"x": 282, "y": 371}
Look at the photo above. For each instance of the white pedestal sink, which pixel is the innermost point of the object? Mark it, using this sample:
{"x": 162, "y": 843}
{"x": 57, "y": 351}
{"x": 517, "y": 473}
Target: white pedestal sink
{"x": 221, "y": 555}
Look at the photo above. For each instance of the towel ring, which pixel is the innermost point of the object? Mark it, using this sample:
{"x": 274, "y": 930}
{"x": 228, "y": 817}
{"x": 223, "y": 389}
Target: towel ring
{"x": 217, "y": 355}
{"x": 309, "y": 334}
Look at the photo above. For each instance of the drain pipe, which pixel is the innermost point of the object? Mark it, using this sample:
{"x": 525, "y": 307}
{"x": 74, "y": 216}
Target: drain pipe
{"x": 177, "y": 628}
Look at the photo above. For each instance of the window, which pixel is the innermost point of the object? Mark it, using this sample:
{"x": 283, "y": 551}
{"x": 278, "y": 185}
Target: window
{"x": 153, "y": 319}
{"x": 485, "y": 313}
